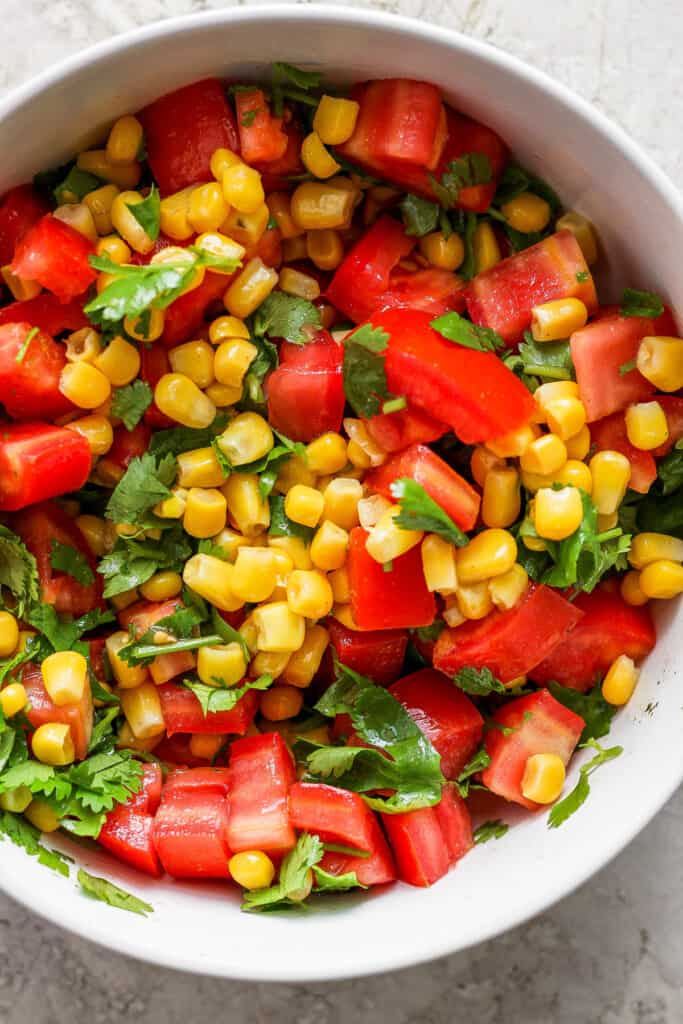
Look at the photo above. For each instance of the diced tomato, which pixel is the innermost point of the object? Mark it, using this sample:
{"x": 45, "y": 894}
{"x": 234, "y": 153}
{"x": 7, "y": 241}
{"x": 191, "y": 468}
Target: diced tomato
{"x": 191, "y": 834}
{"x": 673, "y": 410}
{"x": 29, "y": 388}
{"x": 502, "y": 298}
{"x": 395, "y": 431}
{"x": 335, "y": 815}
{"x": 446, "y": 716}
{"x": 609, "y": 434}
{"x": 306, "y": 392}
{"x": 168, "y": 666}
{"x": 268, "y": 249}
{"x": 149, "y": 796}
{"x": 182, "y": 131}
{"x": 378, "y": 869}
{"x": 261, "y": 773}
{"x": 142, "y": 615}
{"x": 455, "y": 822}
{"x": 56, "y": 256}
{"x": 448, "y": 489}
{"x": 538, "y": 724}
{"x": 377, "y": 654}
{"x": 608, "y": 627}
{"x": 154, "y": 364}
{"x": 261, "y": 135}
{"x": 387, "y": 600}
{"x": 46, "y": 313}
{"x": 433, "y": 290}
{"x": 38, "y": 526}
{"x": 510, "y": 643}
{"x": 422, "y": 857}
{"x": 40, "y": 709}
{"x": 277, "y": 174}
{"x": 129, "y": 444}
{"x": 364, "y": 274}
{"x": 175, "y": 750}
{"x": 20, "y": 208}
{"x": 183, "y": 713}
{"x": 185, "y": 316}
{"x": 38, "y": 461}
{"x": 128, "y": 835}
{"x": 472, "y": 391}
{"x": 182, "y": 780}
{"x": 96, "y": 658}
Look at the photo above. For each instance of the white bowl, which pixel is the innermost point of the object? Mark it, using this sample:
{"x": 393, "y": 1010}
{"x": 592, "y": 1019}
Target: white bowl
{"x": 596, "y": 168}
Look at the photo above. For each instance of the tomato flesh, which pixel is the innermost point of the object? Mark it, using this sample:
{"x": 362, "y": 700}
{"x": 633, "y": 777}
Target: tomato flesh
{"x": 377, "y": 869}
{"x": 377, "y": 654}
{"x": 306, "y": 392}
{"x": 20, "y": 208}
{"x": 417, "y": 841}
{"x": 335, "y": 815}
{"x": 397, "y": 599}
{"x": 261, "y": 135}
{"x": 46, "y": 313}
{"x": 261, "y": 773}
{"x": 56, "y": 256}
{"x": 190, "y": 834}
{"x": 41, "y": 709}
{"x": 29, "y": 376}
{"x": 364, "y": 274}
{"x": 183, "y": 713}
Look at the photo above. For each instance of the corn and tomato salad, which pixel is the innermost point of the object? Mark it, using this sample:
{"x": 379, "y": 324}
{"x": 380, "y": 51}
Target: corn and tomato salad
{"x": 335, "y": 503}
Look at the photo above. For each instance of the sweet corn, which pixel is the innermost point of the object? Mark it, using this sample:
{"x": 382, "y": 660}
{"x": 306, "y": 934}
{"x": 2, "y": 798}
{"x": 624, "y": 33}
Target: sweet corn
{"x": 660, "y": 360}
{"x": 125, "y": 139}
{"x": 315, "y": 205}
{"x": 222, "y": 395}
{"x": 199, "y": 468}
{"x": 304, "y": 663}
{"x": 557, "y": 514}
{"x": 98, "y": 534}
{"x": 142, "y": 708}
{"x": 543, "y": 779}
{"x": 371, "y": 510}
{"x": 341, "y": 502}
{"x": 554, "y": 390}
{"x": 473, "y": 600}
{"x": 527, "y": 212}
{"x": 242, "y": 188}
{"x": 179, "y": 398}
{"x": 630, "y": 589}
{"x": 335, "y": 119}
{"x": 271, "y": 663}
{"x": 565, "y": 417}
{"x": 374, "y": 454}
{"x": 21, "y": 289}
{"x": 294, "y": 471}
{"x": 246, "y": 438}
{"x": 339, "y": 581}
{"x": 662, "y": 579}
{"x": 296, "y": 550}
{"x": 127, "y": 224}
{"x": 482, "y": 461}
{"x": 583, "y": 231}
{"x": 52, "y": 744}
{"x": 97, "y": 430}
{"x": 256, "y": 574}
{"x": 515, "y": 442}
{"x": 212, "y": 579}
{"x": 646, "y": 425}
{"x": 207, "y": 208}
{"x": 174, "y": 215}
{"x": 206, "y": 746}
{"x": 445, "y": 253}
{"x": 83, "y": 346}
{"x": 162, "y": 586}
{"x": 99, "y": 202}
{"x": 327, "y": 454}
{"x": 508, "y": 589}
{"x": 113, "y": 246}
{"x": 65, "y": 675}
{"x": 232, "y": 359}
{"x": 439, "y": 564}
{"x": 84, "y": 385}
{"x": 611, "y": 472}
{"x": 575, "y": 474}
{"x": 329, "y": 546}
{"x": 501, "y": 500}
{"x": 78, "y": 217}
{"x": 485, "y": 247}
{"x": 545, "y": 455}
{"x": 40, "y": 814}
{"x": 127, "y": 676}
{"x": 248, "y": 510}
{"x": 125, "y": 600}
{"x": 96, "y": 162}
{"x": 579, "y": 445}
{"x": 304, "y": 505}
{"x": 247, "y": 228}
{"x": 491, "y": 553}
{"x": 452, "y": 615}
{"x": 173, "y": 507}
{"x": 221, "y": 159}
{"x": 620, "y": 681}
{"x": 309, "y": 593}
{"x": 194, "y": 359}
{"x": 147, "y": 327}
{"x": 278, "y": 205}
{"x": 278, "y": 628}
{"x": 230, "y": 542}
{"x": 280, "y": 703}
{"x": 250, "y": 288}
{"x": 342, "y": 613}
{"x": 205, "y": 513}
{"x": 324, "y": 248}
{"x": 651, "y": 547}
{"x": 9, "y": 634}
{"x": 13, "y": 698}
{"x": 317, "y": 160}
{"x": 252, "y": 869}
{"x": 387, "y": 541}
{"x": 225, "y": 328}
{"x": 222, "y": 665}
{"x": 119, "y": 362}
{"x": 16, "y": 800}
{"x": 294, "y": 282}
{"x": 558, "y": 319}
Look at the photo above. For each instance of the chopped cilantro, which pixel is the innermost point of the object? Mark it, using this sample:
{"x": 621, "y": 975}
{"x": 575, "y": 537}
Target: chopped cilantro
{"x": 75, "y": 185}
{"x": 286, "y": 316}
{"x": 476, "y": 764}
{"x": 148, "y": 213}
{"x": 282, "y": 526}
{"x": 105, "y": 891}
{"x": 592, "y": 707}
{"x": 17, "y": 829}
{"x": 578, "y": 796}
{"x": 177, "y": 440}
{"x": 463, "y": 332}
{"x": 145, "y": 483}
{"x": 464, "y": 172}
{"x": 638, "y": 303}
{"x": 295, "y": 880}
{"x": 222, "y": 697}
{"x": 66, "y": 558}
{"x": 131, "y": 402}
{"x": 489, "y": 830}
{"x": 365, "y": 379}
{"x": 18, "y": 570}
{"x": 420, "y": 216}
{"x": 550, "y": 360}
{"x": 583, "y": 558}
{"x": 478, "y": 682}
{"x": 420, "y": 512}
{"x": 133, "y": 561}
{"x": 21, "y": 354}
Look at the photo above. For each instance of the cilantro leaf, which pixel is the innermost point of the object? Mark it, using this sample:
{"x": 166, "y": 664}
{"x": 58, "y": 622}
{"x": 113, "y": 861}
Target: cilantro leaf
{"x": 420, "y": 216}
{"x": 479, "y": 682}
{"x": 105, "y": 891}
{"x": 583, "y": 558}
{"x": 428, "y": 634}
{"x": 145, "y": 483}
{"x": 578, "y": 796}
{"x": 365, "y": 379}
{"x": 464, "y": 172}
{"x": 228, "y": 634}
{"x": 327, "y": 882}
{"x": 478, "y": 763}
{"x": 63, "y": 633}
{"x": 76, "y": 185}
{"x": 592, "y": 707}
{"x": 284, "y": 73}
{"x": 463, "y": 332}
{"x": 148, "y": 213}
{"x": 104, "y": 727}
{"x": 135, "y": 289}
{"x": 224, "y": 698}
{"x": 8, "y": 667}
{"x": 285, "y": 316}
{"x": 639, "y": 303}
{"x": 302, "y": 79}
{"x": 420, "y": 512}
{"x": 268, "y": 467}
{"x": 266, "y": 359}
{"x": 516, "y": 179}
{"x": 67, "y": 559}
{"x": 131, "y": 402}
{"x": 22, "y": 833}
{"x": 180, "y": 625}
{"x": 132, "y": 562}
{"x": 489, "y": 830}
{"x": 295, "y": 880}
{"x": 670, "y": 472}
{"x": 18, "y": 570}
{"x": 282, "y": 526}
{"x": 550, "y": 360}
{"x": 177, "y": 440}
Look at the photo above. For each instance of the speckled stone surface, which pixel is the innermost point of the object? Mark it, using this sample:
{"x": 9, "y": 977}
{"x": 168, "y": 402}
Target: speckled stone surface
{"x": 613, "y": 952}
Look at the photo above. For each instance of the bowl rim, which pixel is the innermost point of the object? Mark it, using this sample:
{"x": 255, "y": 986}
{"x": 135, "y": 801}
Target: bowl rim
{"x": 439, "y": 944}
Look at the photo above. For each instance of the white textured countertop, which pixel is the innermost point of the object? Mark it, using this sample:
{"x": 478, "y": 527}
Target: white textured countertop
{"x": 613, "y": 952}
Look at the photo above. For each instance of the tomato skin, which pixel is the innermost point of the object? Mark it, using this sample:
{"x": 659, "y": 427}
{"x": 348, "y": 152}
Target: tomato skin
{"x": 261, "y": 773}
{"x": 510, "y": 643}
{"x": 129, "y": 444}
{"x": 175, "y": 750}
{"x": 38, "y": 526}
{"x": 378, "y": 869}
{"x": 540, "y": 725}
{"x": 261, "y": 135}
{"x": 502, "y": 298}
{"x": 182, "y": 131}
{"x": 190, "y": 834}
{"x": 127, "y": 831}
{"x": 142, "y": 615}
{"x": 417, "y": 841}
{"x": 608, "y": 627}
{"x": 448, "y": 489}
{"x": 398, "y": 430}
{"x": 40, "y": 709}
{"x": 455, "y": 823}
{"x": 276, "y": 174}
{"x": 46, "y": 313}
{"x": 609, "y": 434}
{"x": 446, "y": 716}
{"x": 387, "y": 600}
{"x": 56, "y": 256}
{"x": 433, "y": 290}
{"x": 29, "y": 389}
{"x": 183, "y": 713}
{"x": 306, "y": 392}
{"x": 185, "y": 317}
{"x": 335, "y": 815}
{"x": 378, "y": 654}
{"x": 39, "y": 461}
{"x": 183, "y": 780}
{"x": 20, "y": 208}
{"x": 364, "y": 274}
{"x": 168, "y": 666}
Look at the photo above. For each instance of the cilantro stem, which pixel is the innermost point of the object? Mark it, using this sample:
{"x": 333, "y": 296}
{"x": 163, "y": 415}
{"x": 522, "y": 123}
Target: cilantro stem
{"x": 142, "y": 651}
{"x": 394, "y": 404}
{"x": 19, "y": 358}
{"x": 292, "y": 93}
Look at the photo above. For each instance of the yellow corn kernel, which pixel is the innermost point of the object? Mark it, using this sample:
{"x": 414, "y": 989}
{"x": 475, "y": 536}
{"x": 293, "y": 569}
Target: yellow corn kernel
{"x": 342, "y": 613}
{"x": 246, "y": 438}
{"x": 534, "y": 481}
{"x": 294, "y": 282}
{"x": 9, "y": 634}
{"x": 65, "y": 675}
{"x": 21, "y": 289}
{"x": 324, "y": 248}
{"x": 371, "y": 510}
{"x": 230, "y": 542}
{"x": 278, "y": 628}
{"x": 309, "y": 593}
{"x": 439, "y": 564}
{"x": 256, "y": 574}
{"x": 97, "y": 532}
{"x": 124, "y": 600}
{"x": 113, "y": 246}
{"x": 83, "y": 346}
{"x": 294, "y": 248}
{"x": 575, "y": 474}
{"x": 250, "y": 288}
{"x": 452, "y": 615}
{"x": 13, "y": 698}
{"x": 304, "y": 663}
{"x": 557, "y": 514}
{"x": 119, "y": 362}
{"x": 544, "y": 777}
{"x": 278, "y": 205}
{"x": 357, "y": 456}
{"x": 501, "y": 498}
{"x": 526, "y": 212}
{"x": 52, "y": 744}
{"x": 212, "y": 579}
{"x": 127, "y": 224}
{"x": 485, "y": 247}
{"x": 194, "y": 359}
{"x": 491, "y": 553}
{"x": 651, "y": 547}
{"x": 179, "y": 398}
{"x": 630, "y": 589}
{"x": 174, "y": 214}
{"x": 317, "y": 160}
{"x": 292, "y": 472}
{"x": 142, "y": 708}
{"x": 103, "y": 281}
{"x": 280, "y": 703}
{"x": 162, "y": 586}
{"x": 554, "y": 390}
{"x": 126, "y": 740}
{"x": 662, "y": 579}
{"x": 96, "y": 162}
{"x": 206, "y": 746}
{"x": 620, "y": 681}
{"x": 646, "y": 425}
{"x": 473, "y": 600}
{"x": 143, "y": 327}
{"x": 221, "y": 159}
{"x": 207, "y": 208}
{"x": 583, "y": 231}
{"x": 78, "y": 217}
{"x": 225, "y": 328}
{"x": 304, "y": 505}
{"x": 545, "y": 455}
{"x": 445, "y": 253}
{"x": 40, "y": 814}
{"x": 248, "y": 510}
{"x": 387, "y": 541}
{"x": 339, "y": 581}
{"x": 222, "y": 395}
{"x": 242, "y": 188}
{"x": 515, "y": 442}
{"x": 16, "y": 800}
{"x": 579, "y": 445}
{"x": 125, "y": 139}
{"x": 205, "y": 513}
{"x": 315, "y": 205}
{"x": 360, "y": 437}
{"x": 507, "y": 589}
{"x": 173, "y": 507}
{"x": 335, "y": 119}
{"x": 329, "y": 546}
{"x": 84, "y": 385}
{"x": 247, "y": 228}
{"x": 297, "y": 551}
{"x": 127, "y": 676}
{"x": 660, "y": 360}
{"x": 341, "y": 501}
{"x": 565, "y": 417}
{"x": 100, "y": 202}
{"x": 327, "y": 454}
{"x": 611, "y": 472}
{"x": 482, "y": 461}
{"x": 233, "y": 358}
{"x": 252, "y": 869}
{"x": 270, "y": 663}
{"x": 199, "y": 468}
{"x": 558, "y": 319}
{"x": 97, "y": 430}
{"x": 223, "y": 664}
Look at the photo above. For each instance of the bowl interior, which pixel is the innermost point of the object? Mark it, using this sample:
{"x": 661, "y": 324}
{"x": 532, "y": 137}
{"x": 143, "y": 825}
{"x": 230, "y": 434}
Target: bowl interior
{"x": 596, "y": 169}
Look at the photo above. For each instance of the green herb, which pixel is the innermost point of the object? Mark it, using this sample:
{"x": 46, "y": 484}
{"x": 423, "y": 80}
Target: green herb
{"x": 284, "y": 73}
{"x": 20, "y": 658}
{"x": 394, "y": 405}
{"x": 463, "y": 332}
{"x": 592, "y": 707}
{"x": 130, "y": 403}
{"x": 107, "y": 892}
{"x": 64, "y": 633}
{"x": 550, "y": 360}
{"x": 478, "y": 763}
{"x": 428, "y": 634}
{"x": 479, "y": 682}
{"x": 132, "y": 562}
{"x": 295, "y": 878}
{"x": 420, "y": 216}
{"x": 468, "y": 170}
{"x": 207, "y": 547}
{"x": 76, "y": 184}
{"x": 148, "y": 213}
{"x": 468, "y": 267}
{"x": 18, "y": 570}
{"x": 103, "y": 728}
{"x": 30, "y": 335}
{"x": 347, "y": 851}
{"x": 670, "y": 472}
{"x": 224, "y": 698}
{"x": 489, "y": 830}
{"x": 180, "y": 625}
{"x": 253, "y": 396}
{"x": 327, "y": 882}
{"x": 627, "y": 367}
{"x": 583, "y": 558}
{"x": 67, "y": 559}
{"x": 516, "y": 179}
{"x": 249, "y": 116}
{"x": 228, "y": 634}
{"x": 145, "y": 483}
{"x": 268, "y": 467}
{"x": 19, "y": 831}
{"x": 637, "y": 303}
{"x": 286, "y": 316}
{"x": 177, "y": 440}
{"x": 282, "y": 526}
{"x": 582, "y": 276}
{"x": 365, "y": 379}
{"x": 420, "y": 512}
{"x": 578, "y": 796}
